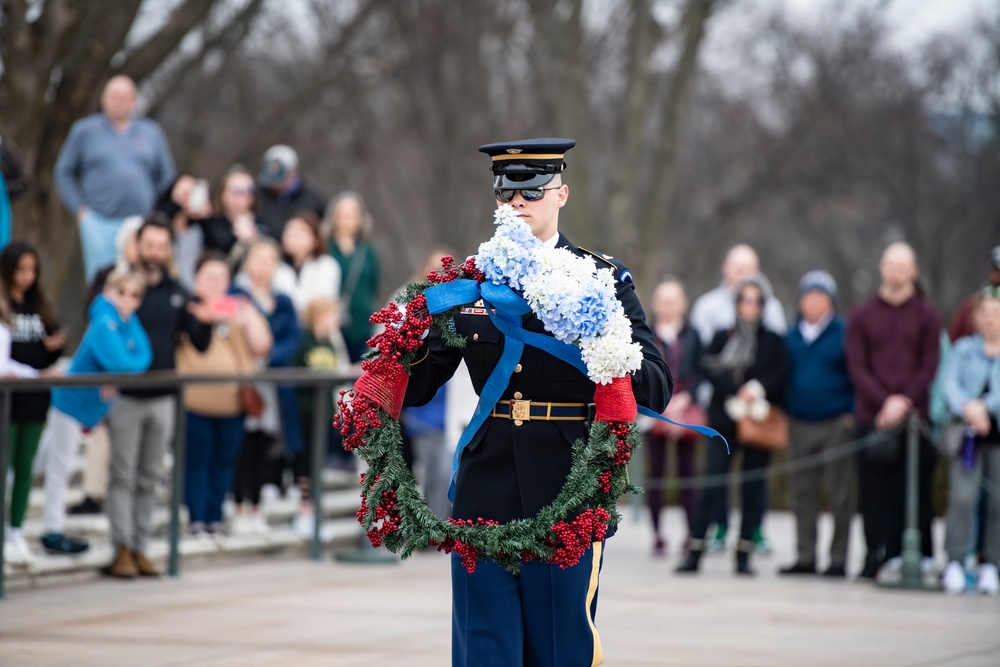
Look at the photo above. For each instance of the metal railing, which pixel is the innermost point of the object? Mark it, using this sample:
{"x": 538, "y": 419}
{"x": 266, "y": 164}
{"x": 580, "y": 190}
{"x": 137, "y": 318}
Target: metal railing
{"x": 323, "y": 381}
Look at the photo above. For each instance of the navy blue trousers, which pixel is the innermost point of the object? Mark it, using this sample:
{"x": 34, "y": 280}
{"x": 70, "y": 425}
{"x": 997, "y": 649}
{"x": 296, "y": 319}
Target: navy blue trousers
{"x": 542, "y": 617}
{"x": 213, "y": 445}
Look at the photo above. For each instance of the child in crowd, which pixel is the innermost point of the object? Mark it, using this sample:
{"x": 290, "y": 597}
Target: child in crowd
{"x": 30, "y": 341}
{"x": 323, "y": 348}
{"x": 114, "y": 342}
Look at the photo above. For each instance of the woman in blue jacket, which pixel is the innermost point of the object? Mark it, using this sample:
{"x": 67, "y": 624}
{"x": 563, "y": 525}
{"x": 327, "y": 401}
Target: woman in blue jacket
{"x": 971, "y": 388}
{"x": 115, "y": 342}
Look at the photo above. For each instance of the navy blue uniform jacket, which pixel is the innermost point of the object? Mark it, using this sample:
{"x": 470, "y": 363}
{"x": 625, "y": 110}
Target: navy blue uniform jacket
{"x": 510, "y": 472}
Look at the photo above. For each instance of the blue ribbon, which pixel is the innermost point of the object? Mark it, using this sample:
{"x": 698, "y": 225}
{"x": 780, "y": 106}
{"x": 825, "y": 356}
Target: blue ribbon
{"x": 505, "y": 308}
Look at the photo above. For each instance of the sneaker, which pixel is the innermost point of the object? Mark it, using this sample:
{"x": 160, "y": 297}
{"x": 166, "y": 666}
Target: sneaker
{"x": 58, "y": 544}
{"x": 953, "y": 578}
{"x": 16, "y": 552}
{"x": 304, "y": 525}
{"x": 86, "y": 506}
{"x": 891, "y": 572}
{"x": 242, "y": 524}
{"x": 989, "y": 579}
{"x": 198, "y": 530}
{"x": 717, "y": 543}
{"x": 761, "y": 545}
{"x": 259, "y": 525}
{"x": 217, "y": 530}
{"x": 269, "y": 493}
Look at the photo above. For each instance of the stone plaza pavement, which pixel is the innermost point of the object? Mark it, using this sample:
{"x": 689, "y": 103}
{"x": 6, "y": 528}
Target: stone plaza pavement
{"x": 287, "y": 610}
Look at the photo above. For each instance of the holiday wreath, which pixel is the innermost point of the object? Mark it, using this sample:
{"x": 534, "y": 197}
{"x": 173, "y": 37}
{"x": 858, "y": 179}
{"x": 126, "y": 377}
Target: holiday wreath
{"x": 576, "y": 303}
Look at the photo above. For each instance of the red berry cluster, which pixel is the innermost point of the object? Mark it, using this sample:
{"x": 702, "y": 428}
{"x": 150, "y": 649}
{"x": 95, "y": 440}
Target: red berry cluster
{"x": 624, "y": 450}
{"x": 448, "y": 272}
{"x": 402, "y": 333}
{"x": 386, "y": 513}
{"x": 605, "y": 480}
{"x": 572, "y": 540}
{"x": 468, "y": 552}
{"x": 471, "y": 272}
{"x": 356, "y": 414}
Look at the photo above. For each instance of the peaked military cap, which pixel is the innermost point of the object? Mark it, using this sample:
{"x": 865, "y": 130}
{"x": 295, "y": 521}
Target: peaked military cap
{"x": 527, "y": 163}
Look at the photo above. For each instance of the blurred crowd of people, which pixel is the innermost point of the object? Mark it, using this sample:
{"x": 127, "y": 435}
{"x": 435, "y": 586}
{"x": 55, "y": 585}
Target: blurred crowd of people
{"x": 260, "y": 272}
{"x": 263, "y": 271}
{"x": 840, "y": 381}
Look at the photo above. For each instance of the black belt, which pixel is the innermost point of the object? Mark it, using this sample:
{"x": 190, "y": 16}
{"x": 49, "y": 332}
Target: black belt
{"x": 541, "y": 411}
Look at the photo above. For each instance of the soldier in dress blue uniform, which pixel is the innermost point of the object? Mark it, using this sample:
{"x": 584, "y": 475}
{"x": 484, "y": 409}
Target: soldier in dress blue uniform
{"x": 517, "y": 463}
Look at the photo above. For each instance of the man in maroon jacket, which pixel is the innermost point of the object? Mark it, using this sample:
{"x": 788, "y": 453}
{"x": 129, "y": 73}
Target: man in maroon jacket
{"x": 892, "y": 355}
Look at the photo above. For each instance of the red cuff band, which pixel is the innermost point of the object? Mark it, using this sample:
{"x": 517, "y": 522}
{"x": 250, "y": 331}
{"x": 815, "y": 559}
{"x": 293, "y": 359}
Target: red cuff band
{"x": 615, "y": 402}
{"x": 387, "y": 387}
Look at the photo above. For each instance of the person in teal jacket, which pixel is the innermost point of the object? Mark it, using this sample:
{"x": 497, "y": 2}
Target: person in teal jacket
{"x": 115, "y": 342}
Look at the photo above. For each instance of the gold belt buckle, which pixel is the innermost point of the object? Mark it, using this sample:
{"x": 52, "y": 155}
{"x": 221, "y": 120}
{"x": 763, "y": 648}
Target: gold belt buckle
{"x": 520, "y": 410}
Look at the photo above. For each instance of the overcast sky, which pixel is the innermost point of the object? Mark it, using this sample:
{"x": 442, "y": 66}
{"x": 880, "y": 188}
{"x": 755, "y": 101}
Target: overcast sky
{"x": 912, "y": 21}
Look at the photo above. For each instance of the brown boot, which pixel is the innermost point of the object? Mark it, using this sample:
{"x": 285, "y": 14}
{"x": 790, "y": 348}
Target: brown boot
{"x": 123, "y": 566}
{"x": 144, "y": 566}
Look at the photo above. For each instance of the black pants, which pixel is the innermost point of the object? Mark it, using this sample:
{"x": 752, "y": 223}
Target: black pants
{"x": 882, "y": 497}
{"x": 751, "y": 491}
{"x": 253, "y": 467}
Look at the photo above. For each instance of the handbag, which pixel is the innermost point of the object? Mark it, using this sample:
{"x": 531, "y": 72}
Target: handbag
{"x": 251, "y": 402}
{"x": 768, "y": 433}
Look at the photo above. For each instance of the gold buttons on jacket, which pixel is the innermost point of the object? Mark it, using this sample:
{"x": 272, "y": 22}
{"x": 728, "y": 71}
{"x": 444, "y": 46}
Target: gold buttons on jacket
{"x": 518, "y": 422}
{"x": 517, "y": 396}
{"x": 475, "y": 336}
{"x": 517, "y": 369}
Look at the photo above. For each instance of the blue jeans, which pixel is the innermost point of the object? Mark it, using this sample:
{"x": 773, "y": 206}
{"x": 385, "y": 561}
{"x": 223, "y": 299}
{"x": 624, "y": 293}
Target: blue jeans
{"x": 213, "y": 445}
{"x": 97, "y": 241}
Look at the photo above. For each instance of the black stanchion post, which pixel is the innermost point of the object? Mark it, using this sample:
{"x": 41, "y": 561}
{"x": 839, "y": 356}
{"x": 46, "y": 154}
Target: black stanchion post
{"x": 911, "y": 535}
{"x": 177, "y": 491}
{"x": 911, "y": 575}
{"x": 4, "y": 454}
{"x": 321, "y": 427}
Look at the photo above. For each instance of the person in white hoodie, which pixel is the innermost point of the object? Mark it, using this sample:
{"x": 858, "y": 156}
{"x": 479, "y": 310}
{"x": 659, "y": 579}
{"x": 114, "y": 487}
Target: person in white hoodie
{"x": 306, "y": 272}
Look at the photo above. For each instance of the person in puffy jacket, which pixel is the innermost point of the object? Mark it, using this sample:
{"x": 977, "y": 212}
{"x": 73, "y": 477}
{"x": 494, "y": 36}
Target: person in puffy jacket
{"x": 115, "y": 342}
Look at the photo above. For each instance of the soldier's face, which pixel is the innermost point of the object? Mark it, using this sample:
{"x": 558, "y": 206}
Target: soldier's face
{"x": 542, "y": 215}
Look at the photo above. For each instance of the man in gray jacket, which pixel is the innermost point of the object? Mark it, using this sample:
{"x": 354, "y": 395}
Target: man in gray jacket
{"x": 112, "y": 165}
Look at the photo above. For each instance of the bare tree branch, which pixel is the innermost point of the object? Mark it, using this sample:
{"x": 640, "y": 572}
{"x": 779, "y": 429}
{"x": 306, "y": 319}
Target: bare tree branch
{"x": 150, "y": 55}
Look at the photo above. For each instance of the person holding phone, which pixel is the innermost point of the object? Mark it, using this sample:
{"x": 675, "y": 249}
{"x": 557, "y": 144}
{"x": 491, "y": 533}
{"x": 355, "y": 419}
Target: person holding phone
{"x": 186, "y": 204}
{"x": 142, "y": 422}
{"x": 233, "y": 226}
{"x": 241, "y": 342}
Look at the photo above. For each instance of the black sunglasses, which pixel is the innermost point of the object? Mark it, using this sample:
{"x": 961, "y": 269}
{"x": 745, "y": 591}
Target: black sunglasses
{"x": 532, "y": 194}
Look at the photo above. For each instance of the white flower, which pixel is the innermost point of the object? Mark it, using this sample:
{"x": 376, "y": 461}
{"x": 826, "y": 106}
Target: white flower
{"x": 575, "y": 300}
